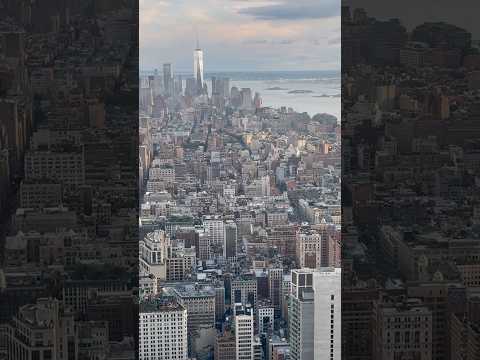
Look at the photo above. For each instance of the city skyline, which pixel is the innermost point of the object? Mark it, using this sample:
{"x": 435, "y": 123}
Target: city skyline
{"x": 313, "y": 91}
{"x": 241, "y": 35}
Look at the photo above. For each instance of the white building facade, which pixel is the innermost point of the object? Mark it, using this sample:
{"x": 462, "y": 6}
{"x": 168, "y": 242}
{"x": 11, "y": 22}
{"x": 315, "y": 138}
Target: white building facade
{"x": 163, "y": 330}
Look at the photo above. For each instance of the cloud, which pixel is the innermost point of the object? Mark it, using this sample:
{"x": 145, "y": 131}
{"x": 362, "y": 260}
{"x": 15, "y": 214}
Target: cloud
{"x": 235, "y": 41}
{"x": 269, "y": 42}
{"x": 302, "y": 9}
{"x": 151, "y": 12}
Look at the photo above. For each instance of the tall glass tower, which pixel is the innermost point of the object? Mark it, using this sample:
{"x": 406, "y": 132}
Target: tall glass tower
{"x": 198, "y": 67}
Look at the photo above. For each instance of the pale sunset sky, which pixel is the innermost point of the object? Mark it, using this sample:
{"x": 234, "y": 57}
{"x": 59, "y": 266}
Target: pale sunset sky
{"x": 241, "y": 35}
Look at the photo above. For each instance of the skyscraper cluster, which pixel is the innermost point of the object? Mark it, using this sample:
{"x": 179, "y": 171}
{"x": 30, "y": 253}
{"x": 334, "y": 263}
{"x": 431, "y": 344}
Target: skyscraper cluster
{"x": 159, "y": 91}
{"x": 240, "y": 219}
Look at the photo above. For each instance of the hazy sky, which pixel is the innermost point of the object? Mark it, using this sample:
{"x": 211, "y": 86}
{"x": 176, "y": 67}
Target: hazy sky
{"x": 463, "y": 13}
{"x": 241, "y": 34}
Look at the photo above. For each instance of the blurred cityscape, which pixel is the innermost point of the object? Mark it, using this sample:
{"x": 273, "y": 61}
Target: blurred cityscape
{"x": 410, "y": 171}
{"x": 68, "y": 179}
{"x": 239, "y": 223}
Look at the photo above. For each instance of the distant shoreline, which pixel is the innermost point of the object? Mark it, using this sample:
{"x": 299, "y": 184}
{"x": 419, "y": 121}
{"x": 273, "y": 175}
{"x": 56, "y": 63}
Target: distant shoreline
{"x": 276, "y": 88}
{"x": 259, "y": 75}
{"x": 301, "y": 92}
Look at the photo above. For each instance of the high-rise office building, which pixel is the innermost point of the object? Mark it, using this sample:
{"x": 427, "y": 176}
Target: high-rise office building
{"x": 257, "y": 100}
{"x": 226, "y": 87}
{"x": 204, "y": 251}
{"x": 167, "y": 79}
{"x": 327, "y": 332}
{"x": 215, "y": 83}
{"x": 219, "y": 287}
{"x": 265, "y": 318}
{"x": 301, "y": 315}
{"x": 199, "y": 302}
{"x": 246, "y": 98}
{"x": 157, "y": 84}
{"x": 221, "y": 87}
{"x": 178, "y": 85}
{"x": 190, "y": 87}
{"x": 235, "y": 97}
{"x": 153, "y": 251}
{"x": 198, "y": 68}
{"x": 215, "y": 227}
{"x": 286, "y": 285}
{"x": 244, "y": 290}
{"x": 244, "y": 332}
{"x": 163, "y": 329}
{"x": 314, "y": 314}
{"x": 275, "y": 280}
{"x": 231, "y": 235}
{"x": 309, "y": 248}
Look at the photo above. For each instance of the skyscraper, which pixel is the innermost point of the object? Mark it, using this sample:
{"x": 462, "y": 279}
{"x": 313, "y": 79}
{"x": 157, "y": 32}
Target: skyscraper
{"x": 216, "y": 230}
{"x": 178, "y": 85}
{"x": 157, "y": 84}
{"x": 257, "y": 101}
{"x": 190, "y": 87}
{"x": 309, "y": 247}
{"x": 163, "y": 329}
{"x": 314, "y": 314}
{"x": 301, "y": 319}
{"x": 327, "y": 332}
{"x": 215, "y": 83}
{"x": 246, "y": 96}
{"x": 244, "y": 332}
{"x": 167, "y": 79}
{"x": 265, "y": 318}
{"x": 275, "y": 279}
{"x": 231, "y": 234}
{"x": 244, "y": 290}
{"x": 198, "y": 67}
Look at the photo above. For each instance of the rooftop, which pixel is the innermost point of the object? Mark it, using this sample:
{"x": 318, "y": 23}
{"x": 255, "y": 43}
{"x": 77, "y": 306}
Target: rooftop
{"x": 160, "y": 304}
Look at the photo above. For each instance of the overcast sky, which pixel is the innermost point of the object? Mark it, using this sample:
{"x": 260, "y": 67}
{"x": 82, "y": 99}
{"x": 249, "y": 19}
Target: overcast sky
{"x": 241, "y": 35}
{"x": 463, "y": 13}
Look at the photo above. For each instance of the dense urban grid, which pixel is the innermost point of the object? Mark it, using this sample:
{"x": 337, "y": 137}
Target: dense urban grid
{"x": 68, "y": 179}
{"x": 239, "y": 224}
{"x": 410, "y": 233}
